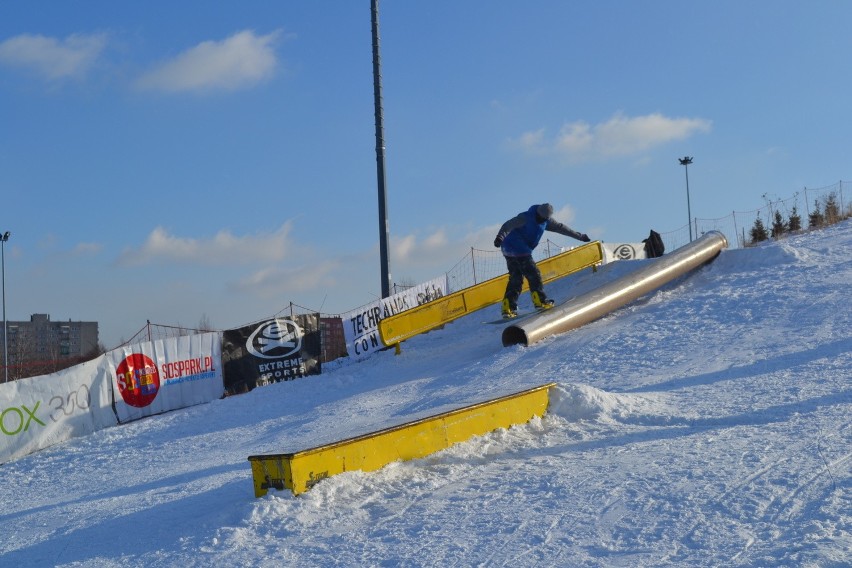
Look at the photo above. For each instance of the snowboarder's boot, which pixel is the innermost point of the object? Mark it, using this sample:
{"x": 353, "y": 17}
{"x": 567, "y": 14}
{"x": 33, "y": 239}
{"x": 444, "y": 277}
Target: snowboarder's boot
{"x": 507, "y": 310}
{"x": 540, "y": 302}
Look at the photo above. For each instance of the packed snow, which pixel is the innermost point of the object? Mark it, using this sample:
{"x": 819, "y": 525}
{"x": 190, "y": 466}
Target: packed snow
{"x": 706, "y": 424}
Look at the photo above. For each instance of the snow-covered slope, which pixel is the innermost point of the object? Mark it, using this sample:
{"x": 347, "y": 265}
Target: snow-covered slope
{"x": 707, "y": 424}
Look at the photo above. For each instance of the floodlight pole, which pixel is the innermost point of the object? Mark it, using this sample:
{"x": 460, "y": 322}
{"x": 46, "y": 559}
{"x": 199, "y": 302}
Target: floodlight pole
{"x": 3, "y": 238}
{"x": 384, "y": 229}
{"x": 685, "y": 161}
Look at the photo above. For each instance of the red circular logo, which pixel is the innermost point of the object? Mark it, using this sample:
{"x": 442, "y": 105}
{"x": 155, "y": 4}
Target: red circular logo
{"x": 138, "y": 380}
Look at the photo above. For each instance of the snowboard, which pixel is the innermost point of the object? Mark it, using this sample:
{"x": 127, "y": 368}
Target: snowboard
{"x": 521, "y": 315}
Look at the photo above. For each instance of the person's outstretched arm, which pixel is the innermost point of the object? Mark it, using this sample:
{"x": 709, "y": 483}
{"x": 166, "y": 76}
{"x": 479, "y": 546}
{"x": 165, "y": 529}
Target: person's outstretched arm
{"x": 557, "y": 227}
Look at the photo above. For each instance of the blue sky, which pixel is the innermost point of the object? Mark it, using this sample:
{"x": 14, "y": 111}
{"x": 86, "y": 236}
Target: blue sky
{"x": 166, "y": 161}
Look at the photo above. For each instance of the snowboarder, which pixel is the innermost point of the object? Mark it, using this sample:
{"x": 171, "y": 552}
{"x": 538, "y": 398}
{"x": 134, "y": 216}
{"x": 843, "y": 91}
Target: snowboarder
{"x": 517, "y": 239}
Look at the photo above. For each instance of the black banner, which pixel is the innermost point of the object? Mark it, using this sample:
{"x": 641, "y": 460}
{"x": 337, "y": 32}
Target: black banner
{"x": 278, "y": 349}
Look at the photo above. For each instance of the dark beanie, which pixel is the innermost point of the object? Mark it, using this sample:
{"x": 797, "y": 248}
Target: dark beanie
{"x": 545, "y": 210}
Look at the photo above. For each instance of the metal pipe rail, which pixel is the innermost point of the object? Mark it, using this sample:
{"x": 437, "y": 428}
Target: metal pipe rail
{"x": 597, "y": 303}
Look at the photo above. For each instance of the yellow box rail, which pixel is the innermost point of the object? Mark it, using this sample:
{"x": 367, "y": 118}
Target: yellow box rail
{"x": 436, "y": 313}
{"x": 302, "y": 470}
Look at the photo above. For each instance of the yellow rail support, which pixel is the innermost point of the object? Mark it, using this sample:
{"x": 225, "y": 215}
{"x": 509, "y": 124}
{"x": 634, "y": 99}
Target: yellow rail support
{"x": 302, "y": 470}
{"x": 407, "y": 324}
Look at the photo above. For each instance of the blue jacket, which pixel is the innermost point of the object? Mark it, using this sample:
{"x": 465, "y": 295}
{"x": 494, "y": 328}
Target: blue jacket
{"x": 523, "y": 238}
{"x": 521, "y": 234}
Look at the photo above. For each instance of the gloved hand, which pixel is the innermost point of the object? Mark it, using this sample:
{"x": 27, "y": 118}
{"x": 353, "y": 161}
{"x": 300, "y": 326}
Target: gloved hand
{"x": 498, "y": 241}
{"x": 585, "y": 238}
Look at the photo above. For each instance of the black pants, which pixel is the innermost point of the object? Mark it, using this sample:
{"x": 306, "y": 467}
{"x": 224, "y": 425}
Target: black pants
{"x": 521, "y": 267}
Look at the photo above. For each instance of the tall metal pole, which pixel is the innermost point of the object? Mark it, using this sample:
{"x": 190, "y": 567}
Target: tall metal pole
{"x": 384, "y": 229}
{"x": 3, "y": 239}
{"x": 685, "y": 161}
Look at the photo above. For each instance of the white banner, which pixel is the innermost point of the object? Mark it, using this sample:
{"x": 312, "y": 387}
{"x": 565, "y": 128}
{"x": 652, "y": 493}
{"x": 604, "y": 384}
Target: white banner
{"x": 166, "y": 374}
{"x": 38, "y": 412}
{"x": 623, "y": 251}
{"x": 361, "y": 326}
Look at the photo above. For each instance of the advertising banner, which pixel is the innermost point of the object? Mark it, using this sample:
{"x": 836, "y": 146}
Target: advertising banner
{"x": 361, "y": 326}
{"x": 278, "y": 349}
{"x": 38, "y": 412}
{"x": 157, "y": 376}
{"x": 623, "y": 251}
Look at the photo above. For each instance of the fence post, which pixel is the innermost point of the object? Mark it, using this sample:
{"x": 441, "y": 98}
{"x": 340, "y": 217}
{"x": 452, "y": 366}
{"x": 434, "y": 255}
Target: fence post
{"x": 807, "y": 207}
{"x": 736, "y": 232}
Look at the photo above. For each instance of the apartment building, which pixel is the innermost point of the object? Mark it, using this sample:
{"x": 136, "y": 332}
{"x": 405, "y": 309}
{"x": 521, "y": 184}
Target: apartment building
{"x": 42, "y": 339}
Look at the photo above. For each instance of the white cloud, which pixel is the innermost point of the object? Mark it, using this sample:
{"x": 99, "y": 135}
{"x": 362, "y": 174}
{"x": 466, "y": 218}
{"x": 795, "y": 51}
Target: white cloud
{"x": 619, "y": 136}
{"x": 53, "y": 58}
{"x": 240, "y": 61}
{"x": 224, "y": 248}
{"x": 408, "y": 248}
{"x": 275, "y": 282}
{"x": 565, "y": 215}
{"x": 86, "y": 249}
{"x": 402, "y": 248}
{"x": 419, "y": 258}
{"x": 54, "y": 245}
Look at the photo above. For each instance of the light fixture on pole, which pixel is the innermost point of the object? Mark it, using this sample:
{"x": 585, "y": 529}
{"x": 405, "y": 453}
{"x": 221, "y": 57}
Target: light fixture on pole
{"x": 3, "y": 238}
{"x": 685, "y": 161}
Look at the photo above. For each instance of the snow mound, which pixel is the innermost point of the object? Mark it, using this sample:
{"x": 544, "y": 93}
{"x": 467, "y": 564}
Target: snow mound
{"x": 579, "y": 402}
{"x": 771, "y": 255}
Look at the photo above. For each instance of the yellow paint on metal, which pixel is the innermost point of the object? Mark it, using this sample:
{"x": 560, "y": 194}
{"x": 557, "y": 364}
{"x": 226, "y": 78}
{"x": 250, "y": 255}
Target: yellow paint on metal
{"x": 302, "y": 470}
{"x": 407, "y": 324}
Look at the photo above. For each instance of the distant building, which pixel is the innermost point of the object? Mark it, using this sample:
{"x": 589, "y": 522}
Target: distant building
{"x": 333, "y": 341}
{"x": 40, "y": 340}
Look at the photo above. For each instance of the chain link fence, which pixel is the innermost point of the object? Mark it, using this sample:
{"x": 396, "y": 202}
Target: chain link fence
{"x": 480, "y": 265}
{"x": 737, "y": 226}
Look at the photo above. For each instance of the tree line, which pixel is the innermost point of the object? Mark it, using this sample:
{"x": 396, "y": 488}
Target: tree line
{"x": 827, "y": 211}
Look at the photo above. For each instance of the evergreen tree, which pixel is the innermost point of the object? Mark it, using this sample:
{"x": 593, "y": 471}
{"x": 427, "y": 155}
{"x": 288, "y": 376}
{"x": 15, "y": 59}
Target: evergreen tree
{"x": 815, "y": 219}
{"x": 794, "y": 223}
{"x": 758, "y": 231}
{"x": 205, "y": 324}
{"x": 831, "y": 211}
{"x": 779, "y": 227}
